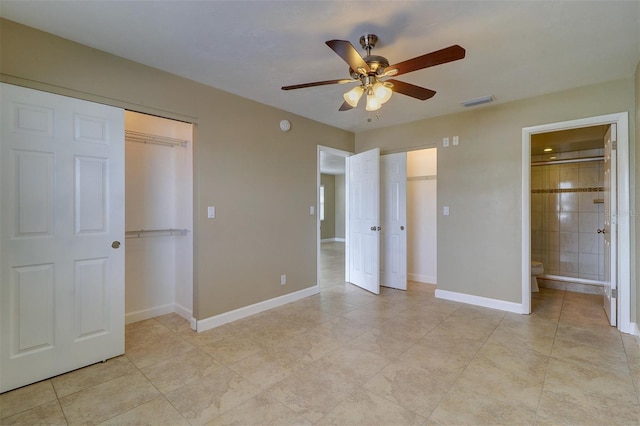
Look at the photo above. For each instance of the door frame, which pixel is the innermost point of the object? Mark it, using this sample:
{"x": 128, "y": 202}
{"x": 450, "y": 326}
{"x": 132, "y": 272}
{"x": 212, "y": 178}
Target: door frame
{"x": 345, "y": 155}
{"x": 621, "y": 119}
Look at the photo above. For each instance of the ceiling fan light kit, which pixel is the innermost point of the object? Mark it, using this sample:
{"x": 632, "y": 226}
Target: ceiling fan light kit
{"x": 373, "y": 71}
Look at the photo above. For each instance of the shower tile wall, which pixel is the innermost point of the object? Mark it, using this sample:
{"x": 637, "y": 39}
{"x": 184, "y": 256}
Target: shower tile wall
{"x": 565, "y": 219}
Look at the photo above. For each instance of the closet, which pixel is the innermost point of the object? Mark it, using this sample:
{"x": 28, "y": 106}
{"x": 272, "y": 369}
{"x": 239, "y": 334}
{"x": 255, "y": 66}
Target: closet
{"x": 158, "y": 217}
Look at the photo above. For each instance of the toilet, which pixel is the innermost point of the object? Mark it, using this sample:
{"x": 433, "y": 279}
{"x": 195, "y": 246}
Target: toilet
{"x": 536, "y": 269}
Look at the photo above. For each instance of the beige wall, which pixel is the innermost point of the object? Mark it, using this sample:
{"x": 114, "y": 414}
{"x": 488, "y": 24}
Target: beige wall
{"x": 261, "y": 180}
{"x": 479, "y": 244}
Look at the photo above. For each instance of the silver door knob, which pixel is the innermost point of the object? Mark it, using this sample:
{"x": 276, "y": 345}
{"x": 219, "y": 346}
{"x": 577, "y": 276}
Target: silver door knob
{"x": 115, "y": 244}
{"x": 601, "y": 231}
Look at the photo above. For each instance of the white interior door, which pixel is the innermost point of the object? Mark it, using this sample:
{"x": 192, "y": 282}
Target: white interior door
{"x": 62, "y": 216}
{"x": 610, "y": 227}
{"x": 393, "y": 262}
{"x": 364, "y": 220}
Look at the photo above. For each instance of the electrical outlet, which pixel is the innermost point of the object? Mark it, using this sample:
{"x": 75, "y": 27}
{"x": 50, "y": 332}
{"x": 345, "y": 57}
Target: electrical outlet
{"x": 445, "y": 142}
{"x": 283, "y": 279}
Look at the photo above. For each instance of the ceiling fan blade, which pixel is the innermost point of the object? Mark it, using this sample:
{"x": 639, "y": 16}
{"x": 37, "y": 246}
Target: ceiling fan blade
{"x": 318, "y": 83}
{"x": 345, "y": 107}
{"x": 448, "y": 54}
{"x": 411, "y": 90}
{"x": 350, "y": 55}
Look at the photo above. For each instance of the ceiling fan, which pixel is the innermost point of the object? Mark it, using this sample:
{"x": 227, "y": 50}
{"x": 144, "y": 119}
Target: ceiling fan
{"x": 373, "y": 72}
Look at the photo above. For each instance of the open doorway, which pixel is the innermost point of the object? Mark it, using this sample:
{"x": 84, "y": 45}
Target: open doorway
{"x": 556, "y": 209}
{"x": 332, "y": 213}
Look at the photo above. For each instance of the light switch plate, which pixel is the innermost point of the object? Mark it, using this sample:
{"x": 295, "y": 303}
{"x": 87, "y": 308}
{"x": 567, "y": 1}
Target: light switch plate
{"x": 445, "y": 211}
{"x": 312, "y": 210}
{"x": 211, "y": 212}
{"x": 445, "y": 142}
{"x": 456, "y": 140}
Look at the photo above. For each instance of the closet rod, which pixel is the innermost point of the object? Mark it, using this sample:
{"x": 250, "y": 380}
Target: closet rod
{"x": 155, "y": 233}
{"x": 567, "y": 161}
{"x": 139, "y": 137}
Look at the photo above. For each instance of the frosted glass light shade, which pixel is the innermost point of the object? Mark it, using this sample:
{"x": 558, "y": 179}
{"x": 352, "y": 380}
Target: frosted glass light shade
{"x": 353, "y": 96}
{"x": 382, "y": 92}
{"x": 373, "y": 103}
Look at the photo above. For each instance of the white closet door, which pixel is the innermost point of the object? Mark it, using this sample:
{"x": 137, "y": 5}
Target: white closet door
{"x": 393, "y": 173}
{"x": 61, "y": 230}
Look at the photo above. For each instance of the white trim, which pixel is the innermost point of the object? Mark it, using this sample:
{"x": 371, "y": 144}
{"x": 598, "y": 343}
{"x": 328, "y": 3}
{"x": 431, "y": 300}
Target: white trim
{"x": 426, "y": 279}
{"x": 635, "y": 330}
{"x": 157, "y": 311}
{"x": 182, "y": 311}
{"x": 485, "y": 302}
{"x": 256, "y": 308}
{"x": 332, "y": 240}
{"x": 145, "y": 314}
{"x": 621, "y": 119}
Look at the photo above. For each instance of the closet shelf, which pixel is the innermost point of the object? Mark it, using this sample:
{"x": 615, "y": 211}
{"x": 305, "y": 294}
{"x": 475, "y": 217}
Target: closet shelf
{"x": 139, "y": 137}
{"x": 155, "y": 233}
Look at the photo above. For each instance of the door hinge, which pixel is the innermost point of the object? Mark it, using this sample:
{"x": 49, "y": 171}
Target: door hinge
{"x": 614, "y": 293}
{"x": 614, "y": 145}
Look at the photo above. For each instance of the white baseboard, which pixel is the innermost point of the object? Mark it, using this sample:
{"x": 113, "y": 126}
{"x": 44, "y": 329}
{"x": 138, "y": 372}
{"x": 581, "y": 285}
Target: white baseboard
{"x": 144, "y": 314}
{"x": 246, "y": 311}
{"x": 486, "y": 302}
{"x": 635, "y": 330}
{"x": 156, "y": 311}
{"x": 427, "y": 279}
{"x": 333, "y": 240}
{"x": 182, "y": 311}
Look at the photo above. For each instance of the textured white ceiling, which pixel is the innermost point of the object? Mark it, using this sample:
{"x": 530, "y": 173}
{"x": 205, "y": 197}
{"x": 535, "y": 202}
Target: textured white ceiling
{"x": 515, "y": 49}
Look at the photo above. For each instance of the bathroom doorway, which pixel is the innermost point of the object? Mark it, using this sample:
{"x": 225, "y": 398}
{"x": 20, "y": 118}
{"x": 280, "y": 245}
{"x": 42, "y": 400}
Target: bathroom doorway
{"x": 565, "y": 219}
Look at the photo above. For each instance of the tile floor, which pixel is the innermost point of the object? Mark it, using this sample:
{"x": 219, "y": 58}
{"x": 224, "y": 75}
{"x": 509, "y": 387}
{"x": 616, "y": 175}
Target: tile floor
{"x": 347, "y": 357}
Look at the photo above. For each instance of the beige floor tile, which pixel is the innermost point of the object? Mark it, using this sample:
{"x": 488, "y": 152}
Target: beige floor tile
{"x": 157, "y": 412}
{"x": 567, "y": 409}
{"x": 311, "y": 394}
{"x": 517, "y": 388}
{"x": 181, "y": 370}
{"x": 416, "y": 389}
{"x": 460, "y": 407}
{"x": 436, "y": 350}
{"x": 48, "y": 413}
{"x": 603, "y": 357}
{"x": 365, "y": 408}
{"x": 92, "y": 375}
{"x": 162, "y": 349}
{"x": 214, "y": 394}
{"x": 342, "y": 329}
{"x": 26, "y": 398}
{"x": 384, "y": 344}
{"x": 212, "y": 336}
{"x": 174, "y": 322}
{"x": 351, "y": 364}
{"x": 233, "y": 349}
{"x": 267, "y": 367}
{"x": 310, "y": 346}
{"x": 260, "y": 410}
{"x": 101, "y": 402}
{"x": 578, "y": 379}
{"x": 142, "y": 332}
{"x": 608, "y": 337}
